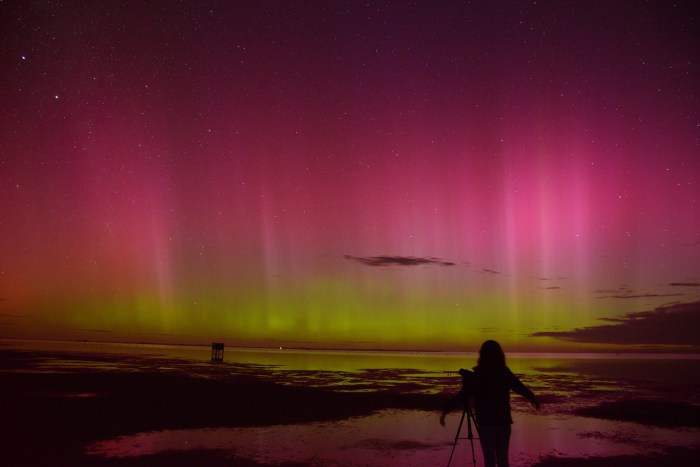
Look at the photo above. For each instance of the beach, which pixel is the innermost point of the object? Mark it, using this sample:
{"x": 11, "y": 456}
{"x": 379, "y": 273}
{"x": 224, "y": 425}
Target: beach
{"x": 137, "y": 406}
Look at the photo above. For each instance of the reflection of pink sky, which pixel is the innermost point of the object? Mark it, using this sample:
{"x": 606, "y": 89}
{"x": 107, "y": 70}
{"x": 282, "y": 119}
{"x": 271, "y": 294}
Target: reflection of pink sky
{"x": 403, "y": 438}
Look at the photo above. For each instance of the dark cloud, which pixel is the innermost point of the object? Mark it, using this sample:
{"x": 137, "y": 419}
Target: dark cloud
{"x": 643, "y": 295}
{"x": 490, "y": 271}
{"x": 684, "y": 284}
{"x": 398, "y": 261}
{"x": 551, "y": 288}
{"x": 624, "y": 292}
{"x": 675, "y": 324}
{"x": 619, "y": 290}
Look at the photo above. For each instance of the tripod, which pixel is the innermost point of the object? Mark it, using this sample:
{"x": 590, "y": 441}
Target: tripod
{"x": 470, "y": 435}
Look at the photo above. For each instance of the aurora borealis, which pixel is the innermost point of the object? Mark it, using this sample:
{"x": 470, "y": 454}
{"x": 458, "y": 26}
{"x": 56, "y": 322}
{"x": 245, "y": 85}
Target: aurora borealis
{"x": 408, "y": 175}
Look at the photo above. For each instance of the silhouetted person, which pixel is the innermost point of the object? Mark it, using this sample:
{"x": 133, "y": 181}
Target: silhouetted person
{"x": 488, "y": 388}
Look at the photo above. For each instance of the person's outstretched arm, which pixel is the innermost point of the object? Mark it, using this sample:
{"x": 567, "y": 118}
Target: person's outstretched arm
{"x": 519, "y": 388}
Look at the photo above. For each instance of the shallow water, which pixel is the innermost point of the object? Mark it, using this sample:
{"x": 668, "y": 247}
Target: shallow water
{"x": 403, "y": 437}
{"x": 565, "y": 383}
{"x": 640, "y": 365}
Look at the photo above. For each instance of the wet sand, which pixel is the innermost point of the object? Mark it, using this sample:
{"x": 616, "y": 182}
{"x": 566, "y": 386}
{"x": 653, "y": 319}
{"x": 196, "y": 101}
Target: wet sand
{"x": 49, "y": 417}
{"x": 70, "y": 410}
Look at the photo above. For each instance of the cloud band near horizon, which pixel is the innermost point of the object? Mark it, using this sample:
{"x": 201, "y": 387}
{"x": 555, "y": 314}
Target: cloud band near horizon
{"x": 675, "y": 325}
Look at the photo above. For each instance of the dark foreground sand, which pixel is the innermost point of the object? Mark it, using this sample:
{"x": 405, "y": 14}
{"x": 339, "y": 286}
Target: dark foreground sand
{"x": 49, "y": 417}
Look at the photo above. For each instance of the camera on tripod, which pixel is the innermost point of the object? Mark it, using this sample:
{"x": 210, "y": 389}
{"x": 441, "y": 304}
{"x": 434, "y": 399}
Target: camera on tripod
{"x": 468, "y": 380}
{"x": 463, "y": 398}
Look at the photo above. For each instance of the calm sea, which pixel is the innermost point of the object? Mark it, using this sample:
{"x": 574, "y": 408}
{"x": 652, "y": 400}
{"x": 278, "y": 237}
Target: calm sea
{"x": 645, "y": 366}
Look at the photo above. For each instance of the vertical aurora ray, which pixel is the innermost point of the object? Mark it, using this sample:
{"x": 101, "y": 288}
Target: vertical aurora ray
{"x": 210, "y": 177}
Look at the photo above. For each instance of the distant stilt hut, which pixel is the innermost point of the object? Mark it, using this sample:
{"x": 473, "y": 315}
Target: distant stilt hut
{"x": 217, "y": 352}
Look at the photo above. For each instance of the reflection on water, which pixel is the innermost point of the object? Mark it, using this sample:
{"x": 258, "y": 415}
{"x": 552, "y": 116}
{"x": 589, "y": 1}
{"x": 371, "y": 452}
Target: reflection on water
{"x": 351, "y": 361}
{"x": 402, "y": 437}
{"x": 567, "y": 384}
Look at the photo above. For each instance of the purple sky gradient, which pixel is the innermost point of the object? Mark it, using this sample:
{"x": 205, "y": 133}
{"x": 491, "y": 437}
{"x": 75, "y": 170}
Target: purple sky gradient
{"x": 202, "y": 169}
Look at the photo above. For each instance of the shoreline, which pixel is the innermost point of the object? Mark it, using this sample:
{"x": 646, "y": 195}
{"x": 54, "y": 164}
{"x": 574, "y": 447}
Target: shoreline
{"x": 69, "y": 401}
{"x": 645, "y": 354}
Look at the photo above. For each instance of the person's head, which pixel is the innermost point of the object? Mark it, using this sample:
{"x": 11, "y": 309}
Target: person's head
{"x": 491, "y": 354}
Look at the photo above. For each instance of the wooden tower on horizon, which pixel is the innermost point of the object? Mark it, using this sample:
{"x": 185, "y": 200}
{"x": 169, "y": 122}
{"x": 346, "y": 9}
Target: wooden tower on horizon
{"x": 217, "y": 352}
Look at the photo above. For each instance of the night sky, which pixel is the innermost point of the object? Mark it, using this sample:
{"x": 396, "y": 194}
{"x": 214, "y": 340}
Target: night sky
{"x": 358, "y": 174}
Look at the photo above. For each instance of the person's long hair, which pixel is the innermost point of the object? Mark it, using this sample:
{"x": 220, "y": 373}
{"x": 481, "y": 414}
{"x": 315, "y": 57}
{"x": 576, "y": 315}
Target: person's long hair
{"x": 491, "y": 355}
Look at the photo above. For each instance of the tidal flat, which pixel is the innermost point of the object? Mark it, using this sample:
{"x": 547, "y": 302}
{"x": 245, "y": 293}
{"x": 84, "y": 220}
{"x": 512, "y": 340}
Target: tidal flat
{"x": 128, "y": 405}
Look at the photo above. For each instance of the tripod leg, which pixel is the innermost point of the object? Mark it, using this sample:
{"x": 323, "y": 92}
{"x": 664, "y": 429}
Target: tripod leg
{"x": 459, "y": 428}
{"x": 470, "y": 435}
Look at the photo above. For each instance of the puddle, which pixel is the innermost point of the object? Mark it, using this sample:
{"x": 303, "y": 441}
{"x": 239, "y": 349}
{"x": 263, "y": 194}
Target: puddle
{"x": 403, "y": 437}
